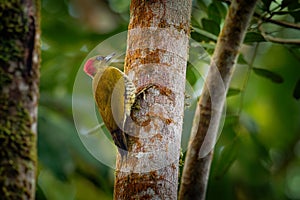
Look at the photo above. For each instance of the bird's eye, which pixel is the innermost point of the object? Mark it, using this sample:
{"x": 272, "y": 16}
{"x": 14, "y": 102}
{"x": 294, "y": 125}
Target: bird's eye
{"x": 100, "y": 58}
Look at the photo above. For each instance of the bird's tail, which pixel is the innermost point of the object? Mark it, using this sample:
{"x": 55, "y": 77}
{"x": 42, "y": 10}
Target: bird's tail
{"x": 120, "y": 141}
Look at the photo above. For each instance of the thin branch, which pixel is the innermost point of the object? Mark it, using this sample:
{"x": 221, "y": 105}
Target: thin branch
{"x": 280, "y": 40}
{"x": 276, "y": 39}
{"x": 209, "y": 109}
{"x": 278, "y": 22}
{"x": 286, "y": 12}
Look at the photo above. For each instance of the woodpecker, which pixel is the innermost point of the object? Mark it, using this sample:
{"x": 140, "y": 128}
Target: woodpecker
{"x": 114, "y": 94}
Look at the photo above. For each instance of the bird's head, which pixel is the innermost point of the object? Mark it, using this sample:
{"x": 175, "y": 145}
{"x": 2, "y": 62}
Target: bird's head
{"x": 96, "y": 63}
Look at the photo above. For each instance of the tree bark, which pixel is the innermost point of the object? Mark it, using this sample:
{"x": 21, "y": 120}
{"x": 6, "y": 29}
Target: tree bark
{"x": 156, "y": 57}
{"x": 19, "y": 77}
{"x": 210, "y": 106}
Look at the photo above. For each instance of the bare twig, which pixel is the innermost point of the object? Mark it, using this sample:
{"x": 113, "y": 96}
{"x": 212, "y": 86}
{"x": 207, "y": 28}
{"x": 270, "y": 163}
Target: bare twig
{"x": 278, "y": 22}
{"x": 280, "y": 40}
{"x": 276, "y": 39}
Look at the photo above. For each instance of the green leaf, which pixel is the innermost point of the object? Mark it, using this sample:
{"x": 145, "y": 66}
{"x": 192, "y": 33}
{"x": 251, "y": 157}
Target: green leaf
{"x": 293, "y": 9}
{"x": 285, "y": 3}
{"x": 253, "y": 128}
{"x": 253, "y": 37}
{"x": 199, "y": 37}
{"x": 296, "y": 16}
{"x": 222, "y": 8}
{"x": 267, "y": 4}
{"x": 39, "y": 192}
{"x": 194, "y": 22}
{"x": 190, "y": 75}
{"x": 233, "y": 92}
{"x": 214, "y": 14}
{"x": 119, "y": 6}
{"x": 208, "y": 45}
{"x": 296, "y": 93}
{"x": 249, "y": 123}
{"x": 241, "y": 60}
{"x": 227, "y": 156}
{"x": 206, "y": 34}
{"x": 211, "y": 26}
{"x": 276, "y": 78}
{"x": 231, "y": 119}
{"x": 202, "y": 5}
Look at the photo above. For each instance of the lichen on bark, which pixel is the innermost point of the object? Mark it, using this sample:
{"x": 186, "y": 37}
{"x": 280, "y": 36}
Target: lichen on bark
{"x": 19, "y": 77}
{"x": 17, "y": 150}
{"x": 14, "y": 28}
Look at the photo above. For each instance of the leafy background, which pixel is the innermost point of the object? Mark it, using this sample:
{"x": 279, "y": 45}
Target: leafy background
{"x": 258, "y": 153}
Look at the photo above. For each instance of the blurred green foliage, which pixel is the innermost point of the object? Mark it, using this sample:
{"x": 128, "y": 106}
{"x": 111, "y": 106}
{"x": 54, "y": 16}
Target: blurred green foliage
{"x": 66, "y": 169}
{"x": 258, "y": 153}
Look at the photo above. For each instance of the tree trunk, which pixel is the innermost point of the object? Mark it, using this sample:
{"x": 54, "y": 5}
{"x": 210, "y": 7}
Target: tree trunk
{"x": 156, "y": 57}
{"x": 210, "y": 106}
{"x": 19, "y": 77}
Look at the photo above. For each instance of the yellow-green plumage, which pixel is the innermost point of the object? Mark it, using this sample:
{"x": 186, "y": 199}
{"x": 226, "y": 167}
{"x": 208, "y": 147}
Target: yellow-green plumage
{"x": 114, "y": 94}
{"x": 106, "y": 85}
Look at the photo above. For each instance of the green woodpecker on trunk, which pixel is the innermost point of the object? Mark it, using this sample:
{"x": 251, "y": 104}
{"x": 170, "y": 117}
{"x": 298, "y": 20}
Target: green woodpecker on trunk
{"x": 114, "y": 94}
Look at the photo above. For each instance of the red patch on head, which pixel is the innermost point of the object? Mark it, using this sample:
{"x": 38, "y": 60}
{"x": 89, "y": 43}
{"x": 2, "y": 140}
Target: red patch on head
{"x": 89, "y": 68}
